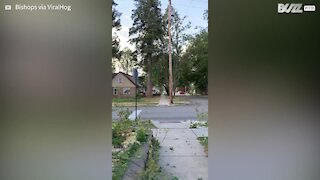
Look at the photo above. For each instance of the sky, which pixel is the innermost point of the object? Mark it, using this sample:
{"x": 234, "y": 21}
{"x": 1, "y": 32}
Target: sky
{"x": 192, "y": 9}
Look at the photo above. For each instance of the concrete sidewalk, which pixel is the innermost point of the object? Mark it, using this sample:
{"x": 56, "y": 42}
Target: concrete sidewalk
{"x": 164, "y": 101}
{"x": 181, "y": 154}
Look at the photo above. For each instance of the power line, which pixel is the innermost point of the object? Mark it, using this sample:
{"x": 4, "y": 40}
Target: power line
{"x": 197, "y": 7}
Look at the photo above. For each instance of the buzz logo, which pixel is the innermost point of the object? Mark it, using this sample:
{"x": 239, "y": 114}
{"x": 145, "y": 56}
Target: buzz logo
{"x": 294, "y": 8}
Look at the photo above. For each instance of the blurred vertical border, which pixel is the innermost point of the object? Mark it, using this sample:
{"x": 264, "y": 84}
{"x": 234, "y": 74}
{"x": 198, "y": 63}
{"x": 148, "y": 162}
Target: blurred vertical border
{"x": 56, "y": 92}
{"x": 263, "y": 91}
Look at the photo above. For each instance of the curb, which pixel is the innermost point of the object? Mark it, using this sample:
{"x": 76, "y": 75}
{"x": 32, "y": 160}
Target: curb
{"x": 137, "y": 164}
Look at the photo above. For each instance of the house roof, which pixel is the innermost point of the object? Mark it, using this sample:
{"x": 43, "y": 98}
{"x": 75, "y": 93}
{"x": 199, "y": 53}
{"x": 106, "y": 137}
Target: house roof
{"x": 131, "y": 78}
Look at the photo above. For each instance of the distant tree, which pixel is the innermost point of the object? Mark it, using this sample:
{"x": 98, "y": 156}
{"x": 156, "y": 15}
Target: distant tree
{"x": 116, "y": 26}
{"x": 195, "y": 63}
{"x": 206, "y": 15}
{"x": 146, "y": 33}
{"x": 178, "y": 40}
{"x": 127, "y": 61}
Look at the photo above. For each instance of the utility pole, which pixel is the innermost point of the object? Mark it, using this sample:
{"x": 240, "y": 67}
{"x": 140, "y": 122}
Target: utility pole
{"x": 136, "y": 78}
{"x": 169, "y": 51}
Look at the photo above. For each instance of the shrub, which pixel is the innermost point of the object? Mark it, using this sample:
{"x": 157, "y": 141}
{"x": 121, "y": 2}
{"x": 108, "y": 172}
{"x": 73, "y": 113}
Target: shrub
{"x": 141, "y": 135}
{"x": 120, "y": 131}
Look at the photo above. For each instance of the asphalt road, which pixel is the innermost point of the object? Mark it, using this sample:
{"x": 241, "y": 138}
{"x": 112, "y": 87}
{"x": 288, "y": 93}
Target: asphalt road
{"x": 173, "y": 113}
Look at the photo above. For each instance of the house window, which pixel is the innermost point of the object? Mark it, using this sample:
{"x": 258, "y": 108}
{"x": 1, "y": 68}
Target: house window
{"x": 126, "y": 91}
{"x": 115, "y": 91}
{"x": 120, "y": 80}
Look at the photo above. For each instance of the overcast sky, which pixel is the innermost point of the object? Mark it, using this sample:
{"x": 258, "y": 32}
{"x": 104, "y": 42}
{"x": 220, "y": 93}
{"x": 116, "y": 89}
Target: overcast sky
{"x": 193, "y": 9}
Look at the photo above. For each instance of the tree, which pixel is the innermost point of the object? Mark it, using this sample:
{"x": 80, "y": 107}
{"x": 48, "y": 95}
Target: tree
{"x": 127, "y": 61}
{"x": 195, "y": 63}
{"x": 178, "y": 39}
{"x": 146, "y": 33}
{"x": 206, "y": 15}
{"x": 116, "y": 26}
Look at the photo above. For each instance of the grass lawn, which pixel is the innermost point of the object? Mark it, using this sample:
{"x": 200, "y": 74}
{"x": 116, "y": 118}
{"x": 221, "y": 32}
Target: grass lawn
{"x": 180, "y": 100}
{"x": 129, "y": 102}
{"x": 145, "y": 101}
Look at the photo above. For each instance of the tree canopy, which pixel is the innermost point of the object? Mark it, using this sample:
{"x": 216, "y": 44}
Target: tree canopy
{"x": 178, "y": 40}
{"x": 146, "y": 33}
{"x": 194, "y": 68}
{"x": 116, "y": 26}
{"x": 127, "y": 61}
{"x": 149, "y": 34}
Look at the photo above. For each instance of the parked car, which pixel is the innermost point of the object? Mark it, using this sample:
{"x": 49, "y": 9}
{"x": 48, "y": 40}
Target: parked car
{"x": 142, "y": 92}
{"x": 156, "y": 92}
{"x": 180, "y": 92}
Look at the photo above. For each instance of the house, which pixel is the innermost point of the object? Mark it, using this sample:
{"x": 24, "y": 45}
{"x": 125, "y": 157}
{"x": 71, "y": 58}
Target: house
{"x": 123, "y": 85}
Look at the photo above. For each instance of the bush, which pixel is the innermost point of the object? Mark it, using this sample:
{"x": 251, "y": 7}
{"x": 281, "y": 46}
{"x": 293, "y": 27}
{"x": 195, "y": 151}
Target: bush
{"x": 119, "y": 132}
{"x": 117, "y": 141}
{"x": 141, "y": 135}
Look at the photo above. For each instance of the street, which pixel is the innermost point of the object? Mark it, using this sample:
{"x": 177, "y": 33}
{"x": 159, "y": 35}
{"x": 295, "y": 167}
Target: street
{"x": 173, "y": 113}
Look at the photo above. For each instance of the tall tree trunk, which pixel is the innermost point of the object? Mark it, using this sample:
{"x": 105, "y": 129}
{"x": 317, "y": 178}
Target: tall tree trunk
{"x": 149, "y": 82}
{"x": 166, "y": 89}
